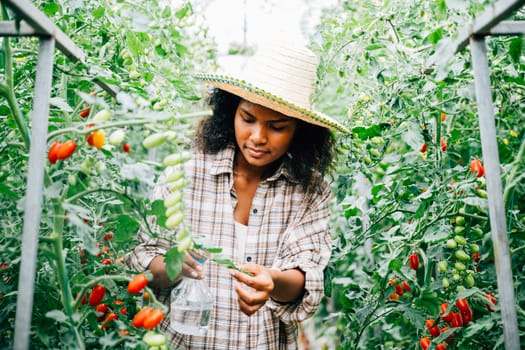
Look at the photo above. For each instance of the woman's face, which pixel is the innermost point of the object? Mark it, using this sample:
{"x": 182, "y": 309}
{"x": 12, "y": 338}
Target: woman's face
{"x": 262, "y": 134}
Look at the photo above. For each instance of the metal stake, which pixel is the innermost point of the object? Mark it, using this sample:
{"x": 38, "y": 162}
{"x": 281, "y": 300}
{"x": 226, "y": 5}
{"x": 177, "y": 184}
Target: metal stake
{"x": 498, "y": 225}
{"x": 33, "y": 198}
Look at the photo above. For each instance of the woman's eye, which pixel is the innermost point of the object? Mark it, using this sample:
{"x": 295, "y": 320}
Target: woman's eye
{"x": 246, "y": 120}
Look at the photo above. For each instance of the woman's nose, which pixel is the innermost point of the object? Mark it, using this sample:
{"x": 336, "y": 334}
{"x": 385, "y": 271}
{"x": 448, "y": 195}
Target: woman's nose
{"x": 258, "y": 134}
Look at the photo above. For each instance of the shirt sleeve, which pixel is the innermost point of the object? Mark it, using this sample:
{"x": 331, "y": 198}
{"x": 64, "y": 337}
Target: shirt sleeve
{"x": 149, "y": 247}
{"x": 306, "y": 246}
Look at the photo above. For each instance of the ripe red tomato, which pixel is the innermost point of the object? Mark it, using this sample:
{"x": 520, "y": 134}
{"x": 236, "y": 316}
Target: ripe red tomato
{"x": 424, "y": 148}
{"x": 450, "y": 337}
{"x": 477, "y": 167}
{"x": 457, "y": 321}
{"x": 85, "y": 112}
{"x": 441, "y": 346}
{"x": 399, "y": 290}
{"x": 443, "y": 145}
{"x": 407, "y": 286}
{"x": 52, "y": 154}
{"x": 414, "y": 261}
{"x": 424, "y": 342}
{"x": 97, "y": 294}
{"x": 111, "y": 316}
{"x": 445, "y": 317}
{"x": 433, "y": 330}
{"x": 153, "y": 319}
{"x": 102, "y": 309}
{"x": 137, "y": 283}
{"x": 138, "y": 320}
{"x": 491, "y": 300}
{"x": 126, "y": 147}
{"x": 66, "y": 149}
{"x": 462, "y": 305}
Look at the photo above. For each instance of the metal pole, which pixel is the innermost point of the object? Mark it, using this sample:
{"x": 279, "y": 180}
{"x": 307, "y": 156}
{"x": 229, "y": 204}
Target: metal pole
{"x": 498, "y": 226}
{"x": 33, "y": 198}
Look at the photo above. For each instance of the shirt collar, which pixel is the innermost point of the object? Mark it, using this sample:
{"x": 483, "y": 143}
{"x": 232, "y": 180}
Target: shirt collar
{"x": 223, "y": 163}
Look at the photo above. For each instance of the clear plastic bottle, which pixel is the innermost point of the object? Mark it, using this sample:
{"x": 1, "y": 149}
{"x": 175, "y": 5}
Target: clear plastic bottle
{"x": 191, "y": 303}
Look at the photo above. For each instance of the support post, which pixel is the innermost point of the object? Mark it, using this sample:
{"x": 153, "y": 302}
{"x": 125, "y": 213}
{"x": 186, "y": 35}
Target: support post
{"x": 498, "y": 226}
{"x": 34, "y": 189}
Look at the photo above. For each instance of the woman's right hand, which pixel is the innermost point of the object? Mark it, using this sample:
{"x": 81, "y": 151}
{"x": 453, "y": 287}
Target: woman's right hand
{"x": 190, "y": 268}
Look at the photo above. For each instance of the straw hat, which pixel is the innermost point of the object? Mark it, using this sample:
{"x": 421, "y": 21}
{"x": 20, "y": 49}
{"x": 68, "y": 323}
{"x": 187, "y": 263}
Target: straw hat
{"x": 280, "y": 77}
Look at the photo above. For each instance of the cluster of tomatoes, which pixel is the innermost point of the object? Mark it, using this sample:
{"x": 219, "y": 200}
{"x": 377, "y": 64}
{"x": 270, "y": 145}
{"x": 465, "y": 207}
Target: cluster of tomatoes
{"x": 107, "y": 312}
{"x": 97, "y": 138}
{"x": 404, "y": 286}
{"x": 452, "y": 317}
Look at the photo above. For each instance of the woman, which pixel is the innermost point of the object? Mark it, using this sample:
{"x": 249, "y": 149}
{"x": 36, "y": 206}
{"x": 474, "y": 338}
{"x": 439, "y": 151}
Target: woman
{"x": 257, "y": 191}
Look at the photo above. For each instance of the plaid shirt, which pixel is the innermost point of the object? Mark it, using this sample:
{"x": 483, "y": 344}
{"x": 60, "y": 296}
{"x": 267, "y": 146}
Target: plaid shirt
{"x": 288, "y": 229}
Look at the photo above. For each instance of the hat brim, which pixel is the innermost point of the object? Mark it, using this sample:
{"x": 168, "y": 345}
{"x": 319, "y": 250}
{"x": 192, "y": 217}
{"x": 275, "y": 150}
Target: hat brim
{"x": 264, "y": 98}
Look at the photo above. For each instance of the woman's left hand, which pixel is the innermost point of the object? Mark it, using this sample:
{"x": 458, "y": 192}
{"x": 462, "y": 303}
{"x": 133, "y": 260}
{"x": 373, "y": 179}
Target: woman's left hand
{"x": 255, "y": 290}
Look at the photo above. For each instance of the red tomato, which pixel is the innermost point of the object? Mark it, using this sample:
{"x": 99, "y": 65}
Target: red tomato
{"x": 424, "y": 148}
{"x": 424, "y": 342}
{"x": 137, "y": 283}
{"x": 102, "y": 309}
{"x": 441, "y": 346}
{"x": 66, "y": 149}
{"x": 491, "y": 300}
{"x": 97, "y": 294}
{"x": 449, "y": 339}
{"x": 433, "y": 330}
{"x": 111, "y": 316}
{"x": 443, "y": 145}
{"x": 85, "y": 112}
{"x": 462, "y": 305}
{"x": 477, "y": 167}
{"x": 406, "y": 286}
{"x": 447, "y": 317}
{"x": 52, "y": 154}
{"x": 399, "y": 290}
{"x": 126, "y": 147}
{"x": 457, "y": 321}
{"x": 414, "y": 261}
{"x": 138, "y": 320}
{"x": 106, "y": 261}
{"x": 153, "y": 319}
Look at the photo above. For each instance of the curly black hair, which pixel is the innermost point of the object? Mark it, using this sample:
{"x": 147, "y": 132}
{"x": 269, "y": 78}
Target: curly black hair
{"x": 311, "y": 152}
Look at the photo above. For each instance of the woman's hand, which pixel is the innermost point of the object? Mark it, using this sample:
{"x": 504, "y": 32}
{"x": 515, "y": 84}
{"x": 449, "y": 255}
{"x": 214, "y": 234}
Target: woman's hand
{"x": 253, "y": 291}
{"x": 191, "y": 268}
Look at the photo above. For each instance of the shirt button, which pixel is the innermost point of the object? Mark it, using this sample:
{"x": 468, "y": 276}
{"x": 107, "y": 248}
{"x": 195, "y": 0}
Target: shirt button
{"x": 248, "y": 258}
{"x": 254, "y": 210}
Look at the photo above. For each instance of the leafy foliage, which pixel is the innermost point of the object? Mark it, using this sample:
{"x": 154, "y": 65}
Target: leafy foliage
{"x": 404, "y": 183}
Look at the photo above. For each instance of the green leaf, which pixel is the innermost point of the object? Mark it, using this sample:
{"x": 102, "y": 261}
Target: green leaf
{"x": 516, "y": 48}
{"x": 126, "y": 228}
{"x": 134, "y": 45}
{"x": 57, "y": 315}
{"x": 5, "y": 189}
{"x": 51, "y": 9}
{"x": 174, "y": 260}
{"x": 98, "y": 13}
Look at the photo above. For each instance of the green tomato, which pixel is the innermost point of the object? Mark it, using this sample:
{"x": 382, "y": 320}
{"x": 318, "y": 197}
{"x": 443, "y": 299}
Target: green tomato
{"x": 461, "y": 255}
{"x": 476, "y": 231}
{"x": 445, "y": 282}
{"x": 474, "y": 248}
{"x": 442, "y": 266}
{"x": 102, "y": 116}
{"x": 176, "y": 158}
{"x": 154, "y": 339}
{"x": 460, "y": 240}
{"x": 460, "y": 266}
{"x": 185, "y": 244}
{"x": 174, "y": 208}
{"x": 174, "y": 176}
{"x": 153, "y": 140}
{"x": 459, "y": 230}
{"x": 172, "y": 199}
{"x": 451, "y": 244}
{"x": 456, "y": 277}
{"x": 177, "y": 185}
{"x": 117, "y": 137}
{"x": 174, "y": 220}
{"x": 469, "y": 280}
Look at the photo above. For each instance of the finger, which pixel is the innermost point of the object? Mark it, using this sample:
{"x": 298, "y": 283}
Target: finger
{"x": 251, "y": 296}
